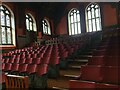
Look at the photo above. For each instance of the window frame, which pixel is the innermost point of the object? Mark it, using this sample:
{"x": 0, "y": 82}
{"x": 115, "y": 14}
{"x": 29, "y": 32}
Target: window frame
{"x": 46, "y": 27}
{"x": 6, "y": 27}
{"x": 93, "y": 18}
{"x": 30, "y": 20}
{"x": 75, "y": 23}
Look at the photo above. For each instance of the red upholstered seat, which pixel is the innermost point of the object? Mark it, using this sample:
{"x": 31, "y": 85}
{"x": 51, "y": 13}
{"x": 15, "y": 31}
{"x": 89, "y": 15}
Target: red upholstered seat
{"x": 8, "y": 67}
{"x": 42, "y": 69}
{"x": 31, "y": 68}
{"x": 15, "y": 67}
{"x": 23, "y": 68}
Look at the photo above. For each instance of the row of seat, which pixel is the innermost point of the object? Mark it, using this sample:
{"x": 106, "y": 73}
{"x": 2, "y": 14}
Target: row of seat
{"x": 103, "y": 68}
{"x": 37, "y": 61}
{"x": 25, "y": 68}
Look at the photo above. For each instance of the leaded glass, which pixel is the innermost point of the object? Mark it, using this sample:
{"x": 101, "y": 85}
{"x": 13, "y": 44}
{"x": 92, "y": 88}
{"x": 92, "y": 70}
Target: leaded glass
{"x": 6, "y": 27}
{"x": 2, "y": 18}
{"x": 74, "y": 22}
{"x": 3, "y": 35}
{"x": 8, "y": 20}
{"x": 79, "y": 29}
{"x": 29, "y": 23}
{"x": 9, "y": 35}
{"x": 93, "y": 18}
{"x": 46, "y": 28}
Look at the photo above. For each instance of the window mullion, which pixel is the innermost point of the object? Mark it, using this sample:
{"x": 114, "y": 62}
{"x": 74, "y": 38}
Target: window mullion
{"x": 91, "y": 21}
{"x": 88, "y": 23}
{"x": 95, "y": 20}
{"x": 6, "y": 30}
{"x": 11, "y": 31}
{"x": 99, "y": 17}
{"x": 0, "y": 36}
{"x": 70, "y": 26}
{"x": 74, "y": 23}
{"x": 32, "y": 26}
{"x": 29, "y": 23}
{"x": 46, "y": 30}
{"x": 77, "y": 23}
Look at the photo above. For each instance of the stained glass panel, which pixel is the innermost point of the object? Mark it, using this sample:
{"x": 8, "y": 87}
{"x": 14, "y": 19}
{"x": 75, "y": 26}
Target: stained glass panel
{"x": 96, "y": 13}
{"x": 75, "y": 17}
{"x": 46, "y": 28}
{"x": 72, "y": 26}
{"x": 3, "y": 35}
{"x": 1, "y": 8}
{"x": 96, "y": 6}
{"x": 9, "y": 35}
{"x": 90, "y": 26}
{"x": 77, "y": 11}
{"x": 78, "y": 17}
{"x": 6, "y": 12}
{"x": 0, "y": 36}
{"x": 49, "y": 31}
{"x": 30, "y": 25}
{"x": 76, "y": 28}
{"x": 79, "y": 29}
{"x": 27, "y": 24}
{"x": 89, "y": 15}
{"x": 93, "y": 24}
{"x": 26, "y": 16}
{"x": 8, "y": 20}
{"x": 98, "y": 24}
{"x": 2, "y": 18}
{"x": 71, "y": 19}
{"x": 74, "y": 22}
{"x": 93, "y": 15}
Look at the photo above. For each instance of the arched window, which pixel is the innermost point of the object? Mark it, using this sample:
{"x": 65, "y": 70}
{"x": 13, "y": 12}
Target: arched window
{"x": 30, "y": 23}
{"x": 74, "y": 22}
{"x": 7, "y": 31}
{"x": 46, "y": 27}
{"x": 93, "y": 17}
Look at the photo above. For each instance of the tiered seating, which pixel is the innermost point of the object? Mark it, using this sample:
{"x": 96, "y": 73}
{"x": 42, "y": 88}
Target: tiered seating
{"x": 38, "y": 62}
{"x": 103, "y": 68}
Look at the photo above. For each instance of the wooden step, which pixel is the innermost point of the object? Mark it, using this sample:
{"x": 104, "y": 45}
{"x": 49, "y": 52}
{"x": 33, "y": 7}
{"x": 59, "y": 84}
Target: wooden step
{"x": 81, "y": 60}
{"x": 71, "y": 76}
{"x": 58, "y": 88}
{"x": 69, "y": 72}
{"x": 87, "y": 53}
{"x": 85, "y": 56}
{"x": 60, "y": 82}
{"x": 75, "y": 67}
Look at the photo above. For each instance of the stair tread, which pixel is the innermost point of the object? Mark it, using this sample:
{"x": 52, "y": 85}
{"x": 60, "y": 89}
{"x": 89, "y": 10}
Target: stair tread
{"x": 81, "y": 60}
{"x": 85, "y": 55}
{"x": 58, "y": 83}
{"x": 69, "y": 72}
{"x": 73, "y": 76}
{"x": 59, "y": 88}
{"x": 78, "y": 67}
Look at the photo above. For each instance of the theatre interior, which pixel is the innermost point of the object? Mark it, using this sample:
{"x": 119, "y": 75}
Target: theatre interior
{"x": 60, "y": 45}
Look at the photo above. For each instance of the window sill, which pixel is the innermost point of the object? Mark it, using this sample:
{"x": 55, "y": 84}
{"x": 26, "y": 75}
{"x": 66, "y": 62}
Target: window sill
{"x": 4, "y": 47}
